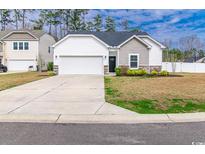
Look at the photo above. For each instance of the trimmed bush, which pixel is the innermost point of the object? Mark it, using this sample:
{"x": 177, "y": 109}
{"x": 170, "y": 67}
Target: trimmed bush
{"x": 154, "y": 72}
{"x": 164, "y": 73}
{"x": 131, "y": 72}
{"x": 50, "y": 66}
{"x": 118, "y": 71}
{"x": 139, "y": 72}
{"x": 142, "y": 72}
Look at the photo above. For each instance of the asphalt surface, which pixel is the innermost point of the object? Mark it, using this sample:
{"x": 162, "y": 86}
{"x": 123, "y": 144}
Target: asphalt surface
{"x": 38, "y": 133}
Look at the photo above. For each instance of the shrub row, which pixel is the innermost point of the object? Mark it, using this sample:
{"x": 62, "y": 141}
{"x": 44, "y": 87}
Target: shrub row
{"x": 140, "y": 72}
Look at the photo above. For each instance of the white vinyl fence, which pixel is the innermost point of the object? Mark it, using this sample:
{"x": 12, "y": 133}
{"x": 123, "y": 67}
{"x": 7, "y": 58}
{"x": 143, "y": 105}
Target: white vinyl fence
{"x": 183, "y": 67}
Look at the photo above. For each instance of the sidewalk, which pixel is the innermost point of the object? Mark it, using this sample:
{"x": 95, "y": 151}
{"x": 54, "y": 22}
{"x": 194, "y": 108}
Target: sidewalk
{"x": 102, "y": 118}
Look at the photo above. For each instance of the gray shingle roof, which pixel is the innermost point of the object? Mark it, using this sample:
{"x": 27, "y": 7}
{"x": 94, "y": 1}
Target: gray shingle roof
{"x": 112, "y": 38}
{"x": 36, "y": 33}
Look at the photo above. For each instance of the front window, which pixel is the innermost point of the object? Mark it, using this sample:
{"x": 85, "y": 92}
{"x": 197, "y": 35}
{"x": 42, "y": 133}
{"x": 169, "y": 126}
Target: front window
{"x": 134, "y": 61}
{"x": 15, "y": 45}
{"x": 26, "y": 46}
{"x": 20, "y": 45}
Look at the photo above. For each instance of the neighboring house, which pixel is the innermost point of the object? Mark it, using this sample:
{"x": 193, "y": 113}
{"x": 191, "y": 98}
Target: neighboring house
{"x": 23, "y": 50}
{"x": 102, "y": 52}
{"x": 199, "y": 59}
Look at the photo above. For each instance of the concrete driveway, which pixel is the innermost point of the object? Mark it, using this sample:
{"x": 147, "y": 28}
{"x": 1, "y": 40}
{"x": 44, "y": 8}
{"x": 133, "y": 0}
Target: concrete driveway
{"x": 59, "y": 95}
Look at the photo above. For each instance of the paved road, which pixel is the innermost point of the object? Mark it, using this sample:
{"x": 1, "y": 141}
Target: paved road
{"x": 33, "y": 133}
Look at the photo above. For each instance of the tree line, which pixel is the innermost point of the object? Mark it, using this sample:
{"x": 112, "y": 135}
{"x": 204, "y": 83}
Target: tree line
{"x": 58, "y": 21}
{"x": 190, "y": 49}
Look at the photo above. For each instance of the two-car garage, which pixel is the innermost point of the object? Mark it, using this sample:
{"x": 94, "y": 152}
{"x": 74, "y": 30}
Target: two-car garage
{"x": 80, "y": 54}
{"x": 81, "y": 65}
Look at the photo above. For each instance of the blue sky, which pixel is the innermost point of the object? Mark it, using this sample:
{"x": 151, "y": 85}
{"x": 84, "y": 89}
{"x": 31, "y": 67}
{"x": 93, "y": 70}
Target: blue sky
{"x": 161, "y": 24}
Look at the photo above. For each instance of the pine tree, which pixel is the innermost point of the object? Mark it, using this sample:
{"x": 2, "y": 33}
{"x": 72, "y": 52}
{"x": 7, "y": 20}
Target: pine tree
{"x": 5, "y": 18}
{"x": 110, "y": 24}
{"x": 124, "y": 25}
{"x": 77, "y": 20}
{"x": 23, "y": 16}
{"x": 90, "y": 26}
{"x": 97, "y": 23}
{"x": 17, "y": 17}
{"x": 47, "y": 17}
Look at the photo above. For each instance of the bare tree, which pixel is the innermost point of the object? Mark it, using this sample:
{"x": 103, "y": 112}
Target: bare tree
{"x": 190, "y": 42}
{"x": 191, "y": 45}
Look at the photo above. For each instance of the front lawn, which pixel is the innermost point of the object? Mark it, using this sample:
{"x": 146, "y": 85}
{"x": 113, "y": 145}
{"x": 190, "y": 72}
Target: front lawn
{"x": 15, "y": 79}
{"x": 179, "y": 94}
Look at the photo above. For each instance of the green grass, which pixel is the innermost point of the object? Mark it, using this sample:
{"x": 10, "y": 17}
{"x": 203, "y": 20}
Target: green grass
{"x": 113, "y": 95}
{"x": 150, "y": 107}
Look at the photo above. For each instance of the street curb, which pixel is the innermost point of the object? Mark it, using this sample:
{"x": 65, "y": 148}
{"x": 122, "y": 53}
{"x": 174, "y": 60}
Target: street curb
{"x": 102, "y": 119}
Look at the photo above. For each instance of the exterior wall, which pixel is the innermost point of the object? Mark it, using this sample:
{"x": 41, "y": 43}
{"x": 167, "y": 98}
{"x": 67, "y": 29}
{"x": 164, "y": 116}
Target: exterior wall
{"x": 20, "y": 36}
{"x": 44, "y": 56}
{"x": 81, "y": 46}
{"x": 30, "y": 54}
{"x": 136, "y": 47}
{"x": 155, "y": 53}
{"x": 1, "y": 49}
{"x": 106, "y": 69}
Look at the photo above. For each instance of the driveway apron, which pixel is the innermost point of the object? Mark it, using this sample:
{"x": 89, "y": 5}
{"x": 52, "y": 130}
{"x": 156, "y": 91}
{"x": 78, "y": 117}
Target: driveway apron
{"x": 68, "y": 94}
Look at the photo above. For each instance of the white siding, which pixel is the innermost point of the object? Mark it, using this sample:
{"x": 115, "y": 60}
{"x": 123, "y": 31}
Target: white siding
{"x": 32, "y": 53}
{"x": 81, "y": 46}
{"x": 45, "y": 42}
{"x": 155, "y": 53}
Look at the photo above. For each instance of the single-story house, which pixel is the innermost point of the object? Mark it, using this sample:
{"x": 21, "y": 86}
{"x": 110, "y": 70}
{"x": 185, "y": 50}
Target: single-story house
{"x": 23, "y": 50}
{"x": 101, "y": 52}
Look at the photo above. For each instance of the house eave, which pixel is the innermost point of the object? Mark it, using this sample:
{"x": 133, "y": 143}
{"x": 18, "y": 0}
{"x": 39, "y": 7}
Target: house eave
{"x": 3, "y": 38}
{"x": 80, "y": 35}
{"x": 136, "y": 37}
{"x": 147, "y": 36}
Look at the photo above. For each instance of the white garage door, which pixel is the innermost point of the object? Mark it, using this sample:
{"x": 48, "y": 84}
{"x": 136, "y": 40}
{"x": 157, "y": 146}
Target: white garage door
{"x": 81, "y": 65}
{"x": 21, "y": 65}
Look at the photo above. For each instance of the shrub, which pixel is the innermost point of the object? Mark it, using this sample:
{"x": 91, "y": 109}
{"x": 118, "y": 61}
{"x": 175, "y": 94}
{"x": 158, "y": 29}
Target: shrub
{"x": 142, "y": 72}
{"x": 118, "y": 71}
{"x": 139, "y": 72}
{"x": 51, "y": 73}
{"x": 50, "y": 66}
{"x": 154, "y": 72}
{"x": 131, "y": 72}
{"x": 164, "y": 73}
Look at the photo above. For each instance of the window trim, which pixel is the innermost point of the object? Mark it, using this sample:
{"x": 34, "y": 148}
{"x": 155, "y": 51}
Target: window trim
{"x": 24, "y": 45}
{"x": 18, "y": 46}
{"x": 13, "y": 45}
{"x": 138, "y": 59}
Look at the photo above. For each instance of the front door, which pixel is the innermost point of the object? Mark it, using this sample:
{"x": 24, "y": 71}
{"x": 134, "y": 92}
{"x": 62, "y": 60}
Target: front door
{"x": 112, "y": 63}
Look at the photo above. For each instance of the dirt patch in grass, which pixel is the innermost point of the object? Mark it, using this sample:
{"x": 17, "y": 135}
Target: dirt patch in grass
{"x": 183, "y": 93}
{"x": 15, "y": 79}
